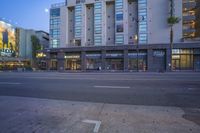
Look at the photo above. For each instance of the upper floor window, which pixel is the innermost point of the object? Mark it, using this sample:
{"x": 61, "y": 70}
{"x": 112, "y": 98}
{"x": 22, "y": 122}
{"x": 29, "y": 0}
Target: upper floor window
{"x": 55, "y": 12}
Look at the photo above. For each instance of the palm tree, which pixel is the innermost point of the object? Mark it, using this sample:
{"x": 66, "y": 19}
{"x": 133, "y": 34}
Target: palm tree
{"x": 172, "y": 20}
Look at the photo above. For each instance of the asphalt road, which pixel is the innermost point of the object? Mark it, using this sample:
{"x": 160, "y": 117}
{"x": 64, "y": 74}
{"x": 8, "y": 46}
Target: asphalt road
{"x": 150, "y": 89}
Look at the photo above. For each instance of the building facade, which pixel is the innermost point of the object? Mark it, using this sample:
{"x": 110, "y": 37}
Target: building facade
{"x": 127, "y": 35}
{"x": 16, "y": 46}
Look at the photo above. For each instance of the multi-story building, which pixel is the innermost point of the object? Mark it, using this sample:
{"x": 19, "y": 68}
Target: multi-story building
{"x": 16, "y": 45}
{"x": 123, "y": 35}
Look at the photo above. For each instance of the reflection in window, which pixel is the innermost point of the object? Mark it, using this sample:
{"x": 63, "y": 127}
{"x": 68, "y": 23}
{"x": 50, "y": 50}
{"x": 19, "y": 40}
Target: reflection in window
{"x": 120, "y": 28}
{"x": 119, "y": 38}
{"x": 55, "y": 12}
{"x": 98, "y": 23}
{"x": 142, "y": 16}
{"x": 78, "y": 20}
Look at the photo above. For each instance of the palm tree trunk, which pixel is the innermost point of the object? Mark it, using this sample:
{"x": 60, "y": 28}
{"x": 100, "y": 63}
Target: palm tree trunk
{"x": 171, "y": 46}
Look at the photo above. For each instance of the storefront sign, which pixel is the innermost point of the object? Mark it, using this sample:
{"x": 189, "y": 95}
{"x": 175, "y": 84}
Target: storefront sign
{"x": 93, "y": 55}
{"x": 176, "y": 56}
{"x": 114, "y": 55}
{"x": 6, "y": 52}
{"x": 135, "y": 54}
{"x": 72, "y": 56}
{"x": 159, "y": 53}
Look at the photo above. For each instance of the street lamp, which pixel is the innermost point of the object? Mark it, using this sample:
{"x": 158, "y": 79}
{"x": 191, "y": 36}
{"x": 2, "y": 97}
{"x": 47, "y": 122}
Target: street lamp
{"x": 141, "y": 18}
{"x": 137, "y": 49}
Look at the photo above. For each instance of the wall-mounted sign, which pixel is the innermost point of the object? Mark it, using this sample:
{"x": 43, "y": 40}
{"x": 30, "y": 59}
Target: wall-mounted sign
{"x": 117, "y": 55}
{"x": 72, "y": 56}
{"x": 93, "y": 55}
{"x": 159, "y": 53}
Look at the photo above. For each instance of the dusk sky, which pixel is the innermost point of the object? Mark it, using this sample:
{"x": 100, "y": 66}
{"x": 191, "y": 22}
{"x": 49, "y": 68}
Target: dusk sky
{"x": 27, "y": 13}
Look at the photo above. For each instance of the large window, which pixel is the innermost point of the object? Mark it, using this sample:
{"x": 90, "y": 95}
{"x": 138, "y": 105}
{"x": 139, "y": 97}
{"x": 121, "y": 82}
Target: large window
{"x": 55, "y": 27}
{"x": 137, "y": 61}
{"x": 182, "y": 59}
{"x": 55, "y": 12}
{"x": 142, "y": 16}
{"x": 78, "y": 21}
{"x": 120, "y": 28}
{"x": 98, "y": 23}
{"x": 119, "y": 37}
{"x": 119, "y": 16}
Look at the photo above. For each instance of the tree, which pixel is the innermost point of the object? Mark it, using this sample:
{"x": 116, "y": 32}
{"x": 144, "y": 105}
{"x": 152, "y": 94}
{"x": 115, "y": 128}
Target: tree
{"x": 35, "y": 47}
{"x": 172, "y": 20}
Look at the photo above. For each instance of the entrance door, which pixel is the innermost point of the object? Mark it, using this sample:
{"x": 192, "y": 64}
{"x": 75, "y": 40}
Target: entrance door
{"x": 74, "y": 65}
{"x": 117, "y": 64}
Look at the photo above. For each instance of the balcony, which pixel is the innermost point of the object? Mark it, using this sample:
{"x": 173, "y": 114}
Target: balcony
{"x": 189, "y": 5}
{"x": 189, "y": 30}
{"x": 189, "y": 18}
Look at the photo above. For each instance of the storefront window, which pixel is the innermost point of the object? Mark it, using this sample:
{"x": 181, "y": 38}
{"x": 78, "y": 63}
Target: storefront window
{"x": 53, "y": 64}
{"x": 114, "y": 64}
{"x": 182, "y": 59}
{"x": 72, "y": 62}
{"x": 93, "y": 61}
{"x": 137, "y": 61}
{"x": 93, "y": 64}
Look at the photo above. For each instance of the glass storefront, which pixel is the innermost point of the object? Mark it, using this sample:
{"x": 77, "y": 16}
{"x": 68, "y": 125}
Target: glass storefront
{"x": 93, "y": 61}
{"x": 114, "y": 60}
{"x": 53, "y": 64}
{"x": 182, "y": 59}
{"x": 72, "y": 62}
{"x": 137, "y": 61}
{"x": 14, "y": 65}
{"x": 114, "y": 64}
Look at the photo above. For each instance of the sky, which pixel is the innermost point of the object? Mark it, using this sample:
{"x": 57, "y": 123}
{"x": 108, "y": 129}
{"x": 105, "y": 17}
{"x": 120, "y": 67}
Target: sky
{"x": 29, "y": 14}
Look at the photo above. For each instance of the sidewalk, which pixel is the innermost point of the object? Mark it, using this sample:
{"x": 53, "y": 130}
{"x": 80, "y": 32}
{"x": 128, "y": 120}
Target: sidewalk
{"x": 30, "y": 115}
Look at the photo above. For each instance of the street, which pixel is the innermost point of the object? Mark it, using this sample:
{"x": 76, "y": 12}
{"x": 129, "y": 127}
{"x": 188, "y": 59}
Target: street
{"x": 179, "y": 90}
{"x": 159, "y": 90}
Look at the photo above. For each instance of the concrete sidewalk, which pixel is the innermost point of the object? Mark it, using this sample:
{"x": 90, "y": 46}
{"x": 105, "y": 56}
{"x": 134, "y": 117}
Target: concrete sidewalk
{"x": 30, "y": 115}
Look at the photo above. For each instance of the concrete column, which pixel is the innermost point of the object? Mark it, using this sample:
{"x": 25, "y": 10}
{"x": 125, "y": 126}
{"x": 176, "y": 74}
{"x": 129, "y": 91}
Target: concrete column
{"x": 104, "y": 18}
{"x": 126, "y": 60}
{"x": 103, "y": 61}
{"x": 61, "y": 61}
{"x": 149, "y": 60}
{"x": 83, "y": 60}
{"x": 168, "y": 59}
{"x": 125, "y": 21}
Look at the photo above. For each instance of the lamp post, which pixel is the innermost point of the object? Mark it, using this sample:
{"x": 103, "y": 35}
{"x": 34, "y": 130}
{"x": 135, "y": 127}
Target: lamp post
{"x": 141, "y": 18}
{"x": 137, "y": 50}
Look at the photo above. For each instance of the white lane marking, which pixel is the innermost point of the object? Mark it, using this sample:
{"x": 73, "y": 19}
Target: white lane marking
{"x": 101, "y": 79}
{"x": 97, "y": 124}
{"x": 9, "y": 83}
{"x": 60, "y": 78}
{"x": 117, "y": 87}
